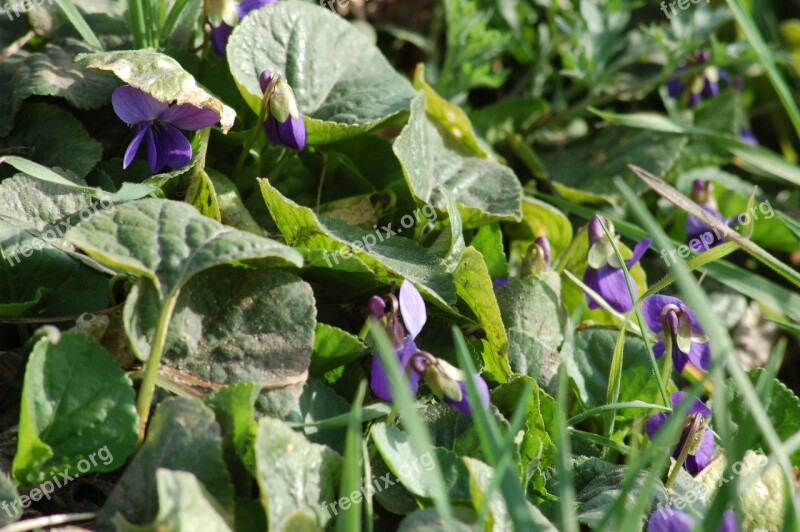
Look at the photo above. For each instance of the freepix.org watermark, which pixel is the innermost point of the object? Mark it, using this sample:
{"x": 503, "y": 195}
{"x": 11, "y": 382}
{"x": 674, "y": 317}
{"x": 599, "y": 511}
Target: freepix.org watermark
{"x": 48, "y": 487}
{"x": 55, "y": 232}
{"x": 683, "y": 5}
{"x": 415, "y": 467}
{"x": 706, "y": 240}
{"x": 14, "y": 10}
{"x": 425, "y": 214}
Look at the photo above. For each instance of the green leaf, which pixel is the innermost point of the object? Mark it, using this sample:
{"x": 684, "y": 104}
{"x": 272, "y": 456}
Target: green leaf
{"x": 472, "y": 48}
{"x": 429, "y": 520}
{"x": 183, "y": 504}
{"x": 334, "y": 347}
{"x": 202, "y": 196}
{"x": 589, "y": 166}
{"x": 594, "y": 347}
{"x": 294, "y": 475}
{"x": 540, "y": 219}
{"x": 77, "y": 411}
{"x": 485, "y": 190}
{"x": 506, "y": 117}
{"x": 536, "y": 437}
{"x": 489, "y": 241}
{"x": 233, "y": 407}
{"x": 182, "y": 436}
{"x": 57, "y": 137}
{"x": 160, "y": 76}
{"x": 534, "y": 318}
{"x": 80, "y": 24}
{"x": 762, "y": 160}
{"x": 474, "y": 288}
{"x": 168, "y": 242}
{"x": 450, "y": 117}
{"x": 233, "y": 325}
{"x": 50, "y": 72}
{"x": 45, "y": 209}
{"x": 343, "y": 90}
{"x": 319, "y": 403}
{"x": 411, "y": 469}
{"x": 35, "y": 276}
{"x": 391, "y": 260}
{"x": 782, "y": 406}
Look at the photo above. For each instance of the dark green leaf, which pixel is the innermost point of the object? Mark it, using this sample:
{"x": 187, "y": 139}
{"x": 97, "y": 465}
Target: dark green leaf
{"x": 182, "y": 436}
{"x": 343, "y": 90}
{"x": 169, "y": 242}
{"x": 485, "y": 190}
{"x": 77, "y": 411}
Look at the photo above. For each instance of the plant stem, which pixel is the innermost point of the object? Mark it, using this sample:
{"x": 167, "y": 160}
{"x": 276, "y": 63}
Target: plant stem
{"x": 148, "y": 385}
{"x": 137, "y": 22}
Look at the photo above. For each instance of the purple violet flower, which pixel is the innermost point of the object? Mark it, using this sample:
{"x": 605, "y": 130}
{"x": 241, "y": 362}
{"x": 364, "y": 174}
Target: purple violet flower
{"x": 157, "y": 126}
{"x": 672, "y": 520}
{"x": 746, "y": 135}
{"x": 220, "y": 34}
{"x": 699, "y": 236}
{"x": 445, "y": 380}
{"x": 703, "y": 85}
{"x": 700, "y": 457}
{"x": 414, "y": 315}
{"x": 603, "y": 273}
{"x": 669, "y": 316}
{"x": 284, "y": 123}
{"x": 463, "y": 405}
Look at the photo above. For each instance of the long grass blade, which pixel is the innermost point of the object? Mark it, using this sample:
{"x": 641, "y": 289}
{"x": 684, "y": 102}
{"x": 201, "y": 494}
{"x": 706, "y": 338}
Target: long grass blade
{"x": 77, "y": 20}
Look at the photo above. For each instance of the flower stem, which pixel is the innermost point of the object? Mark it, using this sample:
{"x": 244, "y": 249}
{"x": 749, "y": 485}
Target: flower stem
{"x": 148, "y": 386}
{"x": 665, "y": 372}
{"x": 262, "y": 117}
{"x": 685, "y": 446}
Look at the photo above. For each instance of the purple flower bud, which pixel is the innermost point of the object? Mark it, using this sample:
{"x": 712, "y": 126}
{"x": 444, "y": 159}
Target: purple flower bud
{"x": 377, "y": 307}
{"x": 544, "y": 244}
{"x": 596, "y": 229}
{"x": 464, "y": 405}
{"x": 221, "y": 33}
{"x": 264, "y": 79}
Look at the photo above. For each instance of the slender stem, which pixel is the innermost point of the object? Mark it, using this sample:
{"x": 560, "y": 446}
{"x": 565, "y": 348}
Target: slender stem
{"x": 262, "y": 117}
{"x": 667, "y": 364}
{"x": 690, "y": 436}
{"x": 137, "y": 21}
{"x": 148, "y": 386}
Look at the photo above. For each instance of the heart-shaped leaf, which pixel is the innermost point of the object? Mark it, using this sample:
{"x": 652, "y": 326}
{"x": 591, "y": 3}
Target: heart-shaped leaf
{"x": 343, "y": 83}
{"x": 169, "y": 242}
{"x": 485, "y": 190}
{"x": 77, "y": 412}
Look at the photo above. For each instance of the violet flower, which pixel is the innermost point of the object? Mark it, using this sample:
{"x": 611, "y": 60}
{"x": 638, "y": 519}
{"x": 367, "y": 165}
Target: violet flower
{"x": 680, "y": 329}
{"x": 157, "y": 126}
{"x": 672, "y": 520}
{"x": 414, "y": 315}
{"x": 284, "y": 124}
{"x": 746, "y": 135}
{"x": 221, "y": 28}
{"x": 703, "y": 85}
{"x": 701, "y": 450}
{"x": 445, "y": 380}
{"x": 699, "y": 236}
{"x": 604, "y": 273}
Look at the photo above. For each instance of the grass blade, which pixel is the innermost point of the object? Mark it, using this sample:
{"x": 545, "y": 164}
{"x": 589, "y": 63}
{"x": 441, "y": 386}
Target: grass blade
{"x": 412, "y": 422}
{"x": 80, "y": 24}
{"x": 766, "y": 57}
{"x": 682, "y": 202}
{"x": 352, "y": 479}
